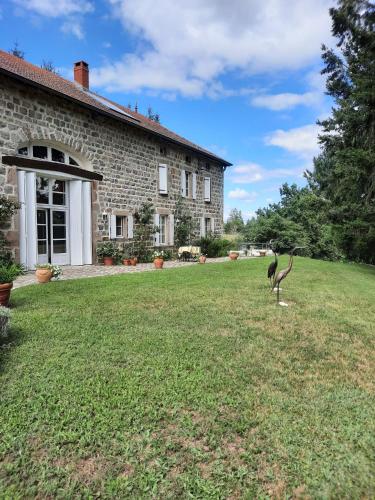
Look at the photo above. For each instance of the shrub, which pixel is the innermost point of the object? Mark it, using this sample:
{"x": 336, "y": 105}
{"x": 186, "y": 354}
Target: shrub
{"x": 214, "y": 247}
{"x": 10, "y": 272}
{"x": 4, "y": 320}
{"x": 184, "y": 225}
{"x": 7, "y": 210}
{"x": 144, "y": 231}
{"x": 107, "y": 249}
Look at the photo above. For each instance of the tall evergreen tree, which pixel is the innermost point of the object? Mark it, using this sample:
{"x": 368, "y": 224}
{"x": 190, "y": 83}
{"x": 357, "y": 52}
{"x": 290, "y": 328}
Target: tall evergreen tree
{"x": 344, "y": 173}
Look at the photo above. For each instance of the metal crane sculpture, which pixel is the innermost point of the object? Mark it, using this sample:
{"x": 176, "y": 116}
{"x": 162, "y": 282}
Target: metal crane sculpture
{"x": 272, "y": 267}
{"x": 283, "y": 274}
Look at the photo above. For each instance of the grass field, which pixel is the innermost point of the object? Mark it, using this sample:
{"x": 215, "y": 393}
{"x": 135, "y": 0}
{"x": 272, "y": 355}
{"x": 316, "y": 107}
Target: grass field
{"x": 192, "y": 383}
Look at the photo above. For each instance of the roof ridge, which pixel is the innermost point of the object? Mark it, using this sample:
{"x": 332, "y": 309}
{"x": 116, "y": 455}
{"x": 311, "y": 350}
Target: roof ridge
{"x": 36, "y": 75}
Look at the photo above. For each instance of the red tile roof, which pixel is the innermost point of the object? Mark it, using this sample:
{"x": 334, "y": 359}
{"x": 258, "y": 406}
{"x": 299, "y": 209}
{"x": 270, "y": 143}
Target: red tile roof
{"x": 33, "y": 75}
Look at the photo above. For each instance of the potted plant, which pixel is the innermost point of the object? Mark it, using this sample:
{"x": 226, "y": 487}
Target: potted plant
{"x": 133, "y": 258}
{"x": 8, "y": 273}
{"x": 158, "y": 259}
{"x": 45, "y": 272}
{"x": 202, "y": 258}
{"x": 125, "y": 256}
{"x": 108, "y": 252}
{"x": 4, "y": 320}
{"x": 133, "y": 261}
{"x": 233, "y": 255}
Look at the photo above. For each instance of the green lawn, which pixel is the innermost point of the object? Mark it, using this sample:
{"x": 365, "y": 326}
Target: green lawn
{"x": 192, "y": 382}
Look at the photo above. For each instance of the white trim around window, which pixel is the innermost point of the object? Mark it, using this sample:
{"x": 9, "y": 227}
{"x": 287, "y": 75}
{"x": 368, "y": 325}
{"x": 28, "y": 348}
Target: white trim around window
{"x": 165, "y": 222}
{"x": 121, "y": 226}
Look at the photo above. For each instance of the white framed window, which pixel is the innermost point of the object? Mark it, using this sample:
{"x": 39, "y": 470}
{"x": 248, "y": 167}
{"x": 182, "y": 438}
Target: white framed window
{"x": 186, "y": 183}
{"x": 163, "y": 179}
{"x": 50, "y": 191}
{"x": 121, "y": 226}
{"x": 48, "y": 153}
{"x": 163, "y": 232}
{"x": 207, "y": 226}
{"x": 207, "y": 189}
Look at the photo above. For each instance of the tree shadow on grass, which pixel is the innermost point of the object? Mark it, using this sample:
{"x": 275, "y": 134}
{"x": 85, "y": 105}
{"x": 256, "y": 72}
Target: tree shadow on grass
{"x": 8, "y": 342}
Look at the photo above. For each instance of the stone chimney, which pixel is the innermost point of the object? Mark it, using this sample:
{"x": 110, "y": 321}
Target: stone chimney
{"x": 81, "y": 74}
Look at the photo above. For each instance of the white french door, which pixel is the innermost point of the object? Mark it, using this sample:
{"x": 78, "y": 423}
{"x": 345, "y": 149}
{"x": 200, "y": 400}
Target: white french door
{"x": 43, "y": 233}
{"x": 59, "y": 237}
{"x": 55, "y": 219}
{"x": 52, "y": 221}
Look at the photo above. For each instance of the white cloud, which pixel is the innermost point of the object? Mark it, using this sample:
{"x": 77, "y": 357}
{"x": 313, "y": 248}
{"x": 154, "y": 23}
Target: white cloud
{"x": 189, "y": 45}
{"x": 242, "y": 194}
{"x": 70, "y": 10}
{"x": 278, "y": 102}
{"x": 58, "y": 8}
{"x": 249, "y": 173}
{"x": 73, "y": 28}
{"x": 301, "y": 141}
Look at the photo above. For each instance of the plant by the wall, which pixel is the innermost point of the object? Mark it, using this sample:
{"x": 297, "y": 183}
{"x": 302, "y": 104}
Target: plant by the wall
{"x": 8, "y": 273}
{"x": 144, "y": 231}
{"x": 7, "y": 209}
{"x": 184, "y": 225}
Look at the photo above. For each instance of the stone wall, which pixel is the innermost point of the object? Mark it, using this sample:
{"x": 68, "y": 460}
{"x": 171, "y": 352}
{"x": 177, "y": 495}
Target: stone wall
{"x": 127, "y": 158}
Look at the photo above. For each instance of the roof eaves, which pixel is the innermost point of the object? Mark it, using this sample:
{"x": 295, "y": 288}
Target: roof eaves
{"x": 112, "y": 115}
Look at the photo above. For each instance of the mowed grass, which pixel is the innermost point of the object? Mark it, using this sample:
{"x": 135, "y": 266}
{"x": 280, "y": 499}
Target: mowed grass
{"x": 192, "y": 383}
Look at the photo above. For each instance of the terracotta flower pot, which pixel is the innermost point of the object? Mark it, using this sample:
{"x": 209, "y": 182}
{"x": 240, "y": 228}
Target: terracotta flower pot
{"x": 108, "y": 261}
{"x": 233, "y": 256}
{"x": 43, "y": 275}
{"x": 202, "y": 259}
{"x": 5, "y": 289}
{"x": 126, "y": 262}
{"x": 133, "y": 261}
{"x": 158, "y": 263}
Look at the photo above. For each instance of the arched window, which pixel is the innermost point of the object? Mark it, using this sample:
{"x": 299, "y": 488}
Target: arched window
{"x": 47, "y": 153}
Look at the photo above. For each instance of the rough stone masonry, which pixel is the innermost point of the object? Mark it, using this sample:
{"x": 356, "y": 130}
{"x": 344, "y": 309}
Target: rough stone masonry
{"x": 128, "y": 158}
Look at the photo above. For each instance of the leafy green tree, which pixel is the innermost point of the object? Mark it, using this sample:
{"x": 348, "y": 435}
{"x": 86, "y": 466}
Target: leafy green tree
{"x": 184, "y": 225}
{"x": 7, "y": 209}
{"x": 235, "y": 223}
{"x": 344, "y": 173}
{"x": 144, "y": 231}
{"x": 300, "y": 218}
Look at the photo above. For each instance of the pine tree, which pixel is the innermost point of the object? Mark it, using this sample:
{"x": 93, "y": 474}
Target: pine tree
{"x": 49, "y": 66}
{"x": 344, "y": 173}
{"x": 16, "y": 51}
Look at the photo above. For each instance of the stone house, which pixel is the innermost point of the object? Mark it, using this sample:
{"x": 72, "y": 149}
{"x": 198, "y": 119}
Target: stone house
{"x": 81, "y": 165}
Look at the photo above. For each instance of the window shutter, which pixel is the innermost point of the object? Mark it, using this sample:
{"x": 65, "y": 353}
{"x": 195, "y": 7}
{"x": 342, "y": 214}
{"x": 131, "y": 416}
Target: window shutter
{"x": 130, "y": 226}
{"x": 194, "y": 186}
{"x": 157, "y": 235}
{"x": 183, "y": 185}
{"x": 171, "y": 229}
{"x": 203, "y": 231}
{"x": 212, "y": 225}
{"x": 207, "y": 189}
{"x": 163, "y": 179}
{"x": 112, "y": 227}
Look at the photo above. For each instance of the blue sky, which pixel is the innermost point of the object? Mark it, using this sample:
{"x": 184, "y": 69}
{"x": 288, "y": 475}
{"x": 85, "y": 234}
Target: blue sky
{"x": 240, "y": 78}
